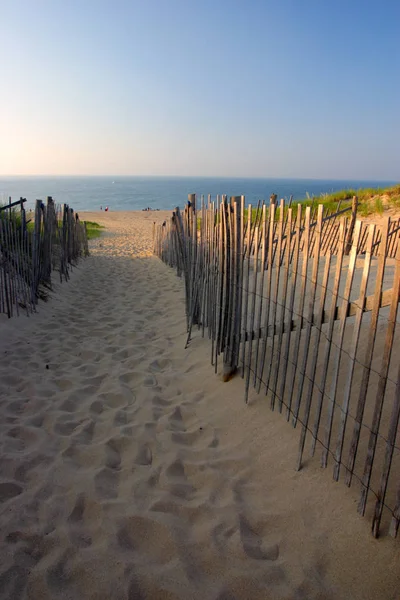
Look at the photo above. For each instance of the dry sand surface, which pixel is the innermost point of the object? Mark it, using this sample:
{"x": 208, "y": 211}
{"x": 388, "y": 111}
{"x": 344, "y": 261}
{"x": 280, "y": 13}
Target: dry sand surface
{"x": 130, "y": 471}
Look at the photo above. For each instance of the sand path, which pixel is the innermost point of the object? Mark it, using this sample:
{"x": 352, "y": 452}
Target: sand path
{"x": 129, "y": 471}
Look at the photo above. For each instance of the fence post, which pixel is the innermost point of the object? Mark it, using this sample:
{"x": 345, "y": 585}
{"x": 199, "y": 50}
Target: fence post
{"x": 36, "y": 251}
{"x": 23, "y": 216}
{"x": 64, "y": 242}
{"x": 353, "y": 219}
{"x": 47, "y": 243}
{"x": 236, "y": 281}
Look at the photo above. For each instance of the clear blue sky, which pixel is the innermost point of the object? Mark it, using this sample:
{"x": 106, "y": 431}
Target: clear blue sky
{"x": 282, "y": 88}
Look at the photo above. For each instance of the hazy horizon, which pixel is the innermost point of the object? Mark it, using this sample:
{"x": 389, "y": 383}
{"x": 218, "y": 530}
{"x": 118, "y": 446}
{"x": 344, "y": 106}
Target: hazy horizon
{"x": 172, "y": 89}
{"x": 173, "y": 176}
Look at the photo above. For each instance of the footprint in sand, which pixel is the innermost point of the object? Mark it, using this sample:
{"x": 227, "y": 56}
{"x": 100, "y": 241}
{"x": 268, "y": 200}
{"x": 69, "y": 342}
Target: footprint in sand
{"x": 97, "y": 407}
{"x": 111, "y": 349}
{"x": 158, "y": 401}
{"x": 253, "y": 544}
{"x": 94, "y": 381}
{"x": 150, "y": 381}
{"x": 113, "y": 456}
{"x": 28, "y": 436}
{"x": 144, "y": 456}
{"x": 141, "y": 534}
{"x": 106, "y": 483}
{"x": 24, "y": 471}
{"x": 89, "y": 370}
{"x": 127, "y": 431}
{"x": 85, "y": 433}
{"x": 122, "y": 354}
{"x": 175, "y": 420}
{"x": 115, "y": 399}
{"x": 9, "y": 490}
{"x": 58, "y": 573}
{"x": 157, "y": 413}
{"x": 176, "y": 469}
{"x": 17, "y": 406}
{"x": 37, "y": 420}
{"x": 87, "y": 355}
{"x": 160, "y": 365}
{"x": 13, "y": 582}
{"x": 10, "y": 380}
{"x": 68, "y": 406}
{"x": 201, "y": 437}
{"x": 134, "y": 378}
{"x": 76, "y": 524}
{"x": 176, "y": 482}
{"x": 120, "y": 418}
{"x": 65, "y": 428}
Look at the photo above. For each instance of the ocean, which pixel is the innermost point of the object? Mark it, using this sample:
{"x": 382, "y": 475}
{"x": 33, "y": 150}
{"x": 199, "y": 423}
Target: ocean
{"x": 165, "y": 193}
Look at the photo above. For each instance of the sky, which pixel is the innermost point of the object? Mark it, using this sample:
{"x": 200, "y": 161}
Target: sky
{"x": 257, "y": 88}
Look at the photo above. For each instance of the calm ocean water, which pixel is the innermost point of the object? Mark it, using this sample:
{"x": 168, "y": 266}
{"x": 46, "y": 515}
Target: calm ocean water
{"x": 136, "y": 193}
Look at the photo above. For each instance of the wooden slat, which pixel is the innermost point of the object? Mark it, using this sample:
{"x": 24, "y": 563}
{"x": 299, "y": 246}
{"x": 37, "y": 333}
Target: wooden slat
{"x": 395, "y": 522}
{"x": 267, "y": 292}
{"x": 237, "y": 260}
{"x": 309, "y": 319}
{"x": 12, "y": 204}
{"x": 395, "y": 413}
{"x": 230, "y": 287}
{"x": 291, "y": 379}
{"x": 240, "y": 275}
{"x": 245, "y": 291}
{"x": 350, "y": 237}
{"x": 285, "y": 357}
{"x": 257, "y": 375}
{"x": 366, "y": 364}
{"x": 220, "y": 285}
{"x": 283, "y": 306}
{"x": 306, "y": 343}
{"x": 353, "y": 352}
{"x": 252, "y": 313}
{"x": 338, "y": 348}
{"x": 380, "y": 393}
{"x": 328, "y": 341}
{"x": 274, "y": 298}
{"x": 215, "y": 275}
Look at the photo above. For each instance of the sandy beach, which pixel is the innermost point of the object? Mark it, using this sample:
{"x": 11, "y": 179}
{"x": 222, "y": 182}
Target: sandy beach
{"x": 129, "y": 470}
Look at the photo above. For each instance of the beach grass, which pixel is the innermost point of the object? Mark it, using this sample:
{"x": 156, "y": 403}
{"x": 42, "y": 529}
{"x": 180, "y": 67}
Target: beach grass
{"x": 93, "y": 229}
{"x": 370, "y": 201}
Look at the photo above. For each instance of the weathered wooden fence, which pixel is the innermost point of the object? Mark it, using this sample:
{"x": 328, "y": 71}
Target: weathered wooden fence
{"x": 305, "y": 306}
{"x": 30, "y": 250}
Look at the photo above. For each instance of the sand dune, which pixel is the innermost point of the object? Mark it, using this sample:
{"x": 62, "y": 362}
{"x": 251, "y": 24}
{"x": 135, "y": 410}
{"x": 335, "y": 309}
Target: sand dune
{"x": 130, "y": 471}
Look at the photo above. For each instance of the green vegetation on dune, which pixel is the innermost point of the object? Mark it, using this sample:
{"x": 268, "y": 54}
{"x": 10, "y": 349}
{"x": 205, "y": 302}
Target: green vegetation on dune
{"x": 370, "y": 201}
{"x": 93, "y": 230}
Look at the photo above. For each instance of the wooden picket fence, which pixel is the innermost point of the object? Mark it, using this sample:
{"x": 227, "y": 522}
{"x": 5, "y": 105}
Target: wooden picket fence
{"x": 29, "y": 254}
{"x": 304, "y": 305}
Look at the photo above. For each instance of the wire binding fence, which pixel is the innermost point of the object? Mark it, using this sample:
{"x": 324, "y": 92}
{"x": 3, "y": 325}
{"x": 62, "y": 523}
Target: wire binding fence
{"x": 30, "y": 251}
{"x": 304, "y": 304}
